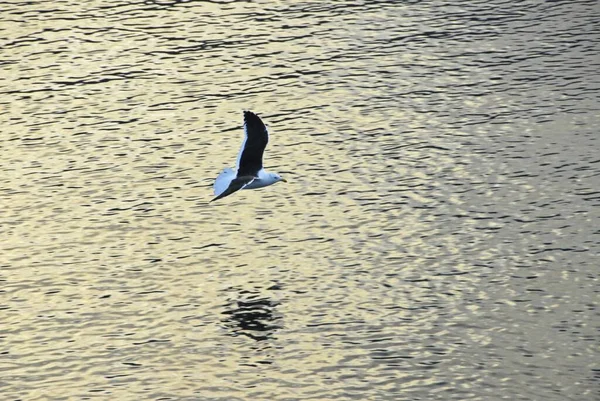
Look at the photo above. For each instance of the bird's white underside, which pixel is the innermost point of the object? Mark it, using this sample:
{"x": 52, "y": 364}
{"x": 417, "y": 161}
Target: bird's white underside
{"x": 222, "y": 182}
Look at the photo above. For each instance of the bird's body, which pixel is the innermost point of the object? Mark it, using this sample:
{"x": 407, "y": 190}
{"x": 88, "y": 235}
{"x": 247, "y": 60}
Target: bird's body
{"x": 249, "y": 172}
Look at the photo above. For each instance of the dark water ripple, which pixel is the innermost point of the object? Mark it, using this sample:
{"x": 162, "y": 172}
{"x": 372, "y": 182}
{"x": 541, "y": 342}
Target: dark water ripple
{"x": 438, "y": 238}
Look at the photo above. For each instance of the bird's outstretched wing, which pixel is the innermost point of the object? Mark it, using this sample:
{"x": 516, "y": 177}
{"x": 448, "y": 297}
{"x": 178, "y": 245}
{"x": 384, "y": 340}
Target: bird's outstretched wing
{"x": 235, "y": 185}
{"x": 256, "y": 137}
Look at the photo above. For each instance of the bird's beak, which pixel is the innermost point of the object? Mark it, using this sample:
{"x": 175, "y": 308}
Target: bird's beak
{"x": 283, "y": 180}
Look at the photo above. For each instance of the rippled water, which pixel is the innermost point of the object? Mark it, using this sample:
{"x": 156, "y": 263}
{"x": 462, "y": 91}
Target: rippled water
{"x": 437, "y": 239}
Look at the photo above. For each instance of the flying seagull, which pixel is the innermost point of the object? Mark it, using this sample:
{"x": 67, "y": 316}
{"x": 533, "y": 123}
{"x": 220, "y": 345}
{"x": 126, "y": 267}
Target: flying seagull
{"x": 250, "y": 173}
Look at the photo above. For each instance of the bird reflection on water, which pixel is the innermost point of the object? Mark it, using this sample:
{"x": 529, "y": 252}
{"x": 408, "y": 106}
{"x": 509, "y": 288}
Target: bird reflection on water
{"x": 254, "y": 317}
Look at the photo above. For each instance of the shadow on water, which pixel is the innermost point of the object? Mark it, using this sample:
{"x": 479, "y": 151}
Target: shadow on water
{"x": 252, "y": 315}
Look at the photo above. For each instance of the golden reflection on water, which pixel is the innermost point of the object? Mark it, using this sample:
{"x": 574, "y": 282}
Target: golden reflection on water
{"x": 433, "y": 241}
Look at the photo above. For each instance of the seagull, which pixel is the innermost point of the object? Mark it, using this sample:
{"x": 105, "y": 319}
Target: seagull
{"x": 250, "y": 173}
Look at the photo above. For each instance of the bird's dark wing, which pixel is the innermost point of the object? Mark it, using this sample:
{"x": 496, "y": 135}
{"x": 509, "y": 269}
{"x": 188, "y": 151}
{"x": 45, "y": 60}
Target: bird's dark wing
{"x": 255, "y": 141}
{"x": 235, "y": 185}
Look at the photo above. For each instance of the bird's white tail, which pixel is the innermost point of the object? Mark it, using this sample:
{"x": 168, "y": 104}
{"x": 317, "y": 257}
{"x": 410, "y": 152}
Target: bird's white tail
{"x": 223, "y": 181}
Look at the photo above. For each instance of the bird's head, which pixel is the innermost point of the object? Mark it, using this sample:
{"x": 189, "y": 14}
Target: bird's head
{"x": 276, "y": 177}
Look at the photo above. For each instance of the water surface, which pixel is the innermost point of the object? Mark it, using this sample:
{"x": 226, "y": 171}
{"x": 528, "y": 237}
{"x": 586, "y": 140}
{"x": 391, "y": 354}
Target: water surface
{"x": 437, "y": 239}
